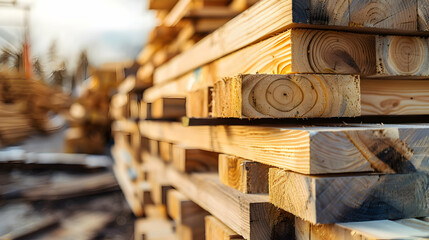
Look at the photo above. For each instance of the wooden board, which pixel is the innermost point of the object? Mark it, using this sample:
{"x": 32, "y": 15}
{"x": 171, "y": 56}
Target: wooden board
{"x": 145, "y": 110}
{"x": 251, "y": 216}
{"x": 244, "y": 175}
{"x": 268, "y": 17}
{"x": 184, "y": 211}
{"x": 155, "y": 211}
{"x": 160, "y": 187}
{"x": 309, "y": 150}
{"x": 194, "y": 160}
{"x": 153, "y": 229}
{"x": 167, "y": 108}
{"x": 154, "y": 147}
{"x": 286, "y": 96}
{"x": 143, "y": 193}
{"x": 394, "y": 97}
{"x": 129, "y": 192}
{"x": 185, "y": 232}
{"x": 381, "y": 229}
{"x": 350, "y": 198}
{"x": 423, "y": 15}
{"x": 216, "y": 230}
{"x": 165, "y": 151}
{"x": 198, "y": 103}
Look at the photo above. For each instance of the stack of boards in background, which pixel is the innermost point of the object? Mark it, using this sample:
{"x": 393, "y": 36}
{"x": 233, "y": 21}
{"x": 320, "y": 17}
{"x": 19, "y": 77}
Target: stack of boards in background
{"x": 301, "y": 119}
{"x": 27, "y": 106}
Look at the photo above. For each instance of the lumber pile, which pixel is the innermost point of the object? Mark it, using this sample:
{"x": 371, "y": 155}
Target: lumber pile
{"x": 27, "y": 106}
{"x": 296, "y": 119}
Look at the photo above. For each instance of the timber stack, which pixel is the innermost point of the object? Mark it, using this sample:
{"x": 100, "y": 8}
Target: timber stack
{"x": 295, "y": 119}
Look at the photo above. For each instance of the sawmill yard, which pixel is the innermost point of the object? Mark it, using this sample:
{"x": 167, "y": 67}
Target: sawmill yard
{"x": 236, "y": 119}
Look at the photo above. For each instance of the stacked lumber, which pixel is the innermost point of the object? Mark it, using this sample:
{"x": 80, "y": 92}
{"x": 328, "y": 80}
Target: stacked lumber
{"x": 297, "y": 119}
{"x": 181, "y": 24}
{"x": 26, "y": 107}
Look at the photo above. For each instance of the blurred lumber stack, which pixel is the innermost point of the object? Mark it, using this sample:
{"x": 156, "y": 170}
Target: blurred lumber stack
{"x": 89, "y": 115}
{"x": 301, "y": 119}
{"x": 27, "y": 106}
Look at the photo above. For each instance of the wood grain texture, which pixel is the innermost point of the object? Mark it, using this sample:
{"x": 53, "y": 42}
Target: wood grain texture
{"x": 333, "y": 199}
{"x": 310, "y": 150}
{"x": 284, "y": 96}
{"x": 399, "y": 14}
{"x": 270, "y": 17}
{"x": 198, "y": 103}
{"x": 423, "y": 15}
{"x": 394, "y": 97}
{"x": 216, "y": 230}
{"x": 184, "y": 211}
{"x": 380, "y": 229}
{"x": 251, "y": 216}
{"x": 166, "y": 108}
{"x": 194, "y": 160}
{"x": 243, "y": 175}
{"x": 402, "y": 55}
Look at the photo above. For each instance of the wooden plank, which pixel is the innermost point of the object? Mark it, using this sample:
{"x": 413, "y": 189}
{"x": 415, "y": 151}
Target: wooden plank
{"x": 332, "y": 199}
{"x": 160, "y": 187}
{"x": 250, "y": 215}
{"x": 423, "y": 15}
{"x": 402, "y": 55}
{"x": 128, "y": 190}
{"x": 155, "y": 211}
{"x": 166, "y": 108}
{"x": 399, "y": 14}
{"x": 244, "y": 175}
{"x": 309, "y": 150}
{"x": 185, "y": 232}
{"x": 143, "y": 193}
{"x": 145, "y": 110}
{"x": 394, "y": 97}
{"x": 154, "y": 147}
{"x": 194, "y": 160}
{"x": 286, "y": 96}
{"x": 161, "y": 4}
{"x": 216, "y": 230}
{"x": 165, "y": 151}
{"x": 178, "y": 12}
{"x": 269, "y": 17}
{"x": 184, "y": 211}
{"x": 153, "y": 229}
{"x": 198, "y": 103}
{"x": 379, "y": 229}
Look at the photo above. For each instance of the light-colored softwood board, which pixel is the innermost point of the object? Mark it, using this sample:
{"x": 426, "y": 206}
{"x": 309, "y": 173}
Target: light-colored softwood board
{"x": 198, "y": 103}
{"x": 399, "y": 14}
{"x": 168, "y": 108}
{"x": 270, "y": 17}
{"x": 351, "y": 198}
{"x": 145, "y": 110}
{"x": 286, "y": 96}
{"x": 394, "y": 97}
{"x": 129, "y": 191}
{"x": 145, "y": 74}
{"x": 250, "y": 215}
{"x": 402, "y": 55}
{"x": 309, "y": 150}
{"x": 379, "y": 229}
{"x": 153, "y": 229}
{"x": 216, "y": 230}
{"x": 159, "y": 187}
{"x": 155, "y": 211}
{"x": 194, "y": 160}
{"x": 183, "y": 210}
{"x": 165, "y": 151}
{"x": 185, "y": 232}
{"x": 243, "y": 175}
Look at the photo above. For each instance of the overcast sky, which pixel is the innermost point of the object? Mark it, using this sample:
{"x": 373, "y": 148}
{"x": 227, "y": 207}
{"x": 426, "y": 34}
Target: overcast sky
{"x": 110, "y": 30}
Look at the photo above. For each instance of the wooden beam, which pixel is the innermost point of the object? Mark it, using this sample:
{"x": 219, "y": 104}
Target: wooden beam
{"x": 194, "y": 160}
{"x": 143, "y": 190}
{"x": 268, "y": 17}
{"x": 216, "y": 230}
{"x": 154, "y": 147}
{"x": 249, "y": 215}
{"x": 145, "y": 110}
{"x": 394, "y": 97}
{"x": 286, "y": 96}
{"x": 161, "y": 4}
{"x": 402, "y": 55}
{"x": 399, "y": 14}
{"x": 423, "y": 15}
{"x": 310, "y": 150}
{"x": 352, "y": 198}
{"x": 184, "y": 211}
{"x": 198, "y": 103}
{"x": 165, "y": 151}
{"x": 153, "y": 229}
{"x": 244, "y": 175}
{"x": 185, "y": 232}
{"x": 167, "y": 108}
{"x": 155, "y": 211}
{"x": 381, "y": 229}
{"x": 160, "y": 186}
{"x": 129, "y": 191}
